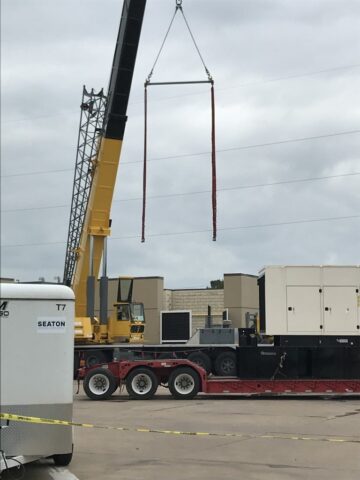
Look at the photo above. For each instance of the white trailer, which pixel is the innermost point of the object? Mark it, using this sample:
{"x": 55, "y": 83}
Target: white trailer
{"x": 36, "y": 372}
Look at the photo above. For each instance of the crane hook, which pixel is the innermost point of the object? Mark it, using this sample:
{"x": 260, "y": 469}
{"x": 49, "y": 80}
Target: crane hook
{"x": 178, "y": 4}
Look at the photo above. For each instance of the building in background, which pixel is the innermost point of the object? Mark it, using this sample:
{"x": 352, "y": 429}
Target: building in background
{"x": 239, "y": 296}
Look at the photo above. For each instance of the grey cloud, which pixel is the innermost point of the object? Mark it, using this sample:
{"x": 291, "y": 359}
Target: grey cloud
{"x": 50, "y": 49}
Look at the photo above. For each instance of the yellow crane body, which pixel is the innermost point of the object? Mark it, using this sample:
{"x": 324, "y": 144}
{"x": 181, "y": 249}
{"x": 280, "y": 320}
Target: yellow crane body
{"x": 98, "y": 156}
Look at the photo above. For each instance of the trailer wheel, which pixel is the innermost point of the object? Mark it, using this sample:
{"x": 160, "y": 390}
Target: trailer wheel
{"x": 94, "y": 357}
{"x": 184, "y": 383}
{"x": 76, "y": 364}
{"x": 141, "y": 384}
{"x": 225, "y": 364}
{"x": 99, "y": 384}
{"x": 201, "y": 359}
{"x": 63, "y": 459}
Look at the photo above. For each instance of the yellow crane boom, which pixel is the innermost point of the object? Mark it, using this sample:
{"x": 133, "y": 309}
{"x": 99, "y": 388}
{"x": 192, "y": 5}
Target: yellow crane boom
{"x": 102, "y": 125}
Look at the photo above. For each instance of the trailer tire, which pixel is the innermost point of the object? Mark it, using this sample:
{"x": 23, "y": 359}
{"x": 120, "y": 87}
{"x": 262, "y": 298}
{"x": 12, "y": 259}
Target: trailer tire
{"x": 141, "y": 384}
{"x": 76, "y": 364}
{"x": 184, "y": 383}
{"x": 201, "y": 359}
{"x": 225, "y": 364}
{"x": 94, "y": 357}
{"x": 99, "y": 384}
{"x": 63, "y": 459}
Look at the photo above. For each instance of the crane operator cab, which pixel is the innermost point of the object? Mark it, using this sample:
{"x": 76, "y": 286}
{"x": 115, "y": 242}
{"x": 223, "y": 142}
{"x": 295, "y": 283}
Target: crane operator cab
{"x": 128, "y": 320}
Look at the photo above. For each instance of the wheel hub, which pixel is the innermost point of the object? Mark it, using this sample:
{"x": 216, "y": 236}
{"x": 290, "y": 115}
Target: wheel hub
{"x": 142, "y": 384}
{"x": 228, "y": 365}
{"x": 184, "y": 383}
{"x": 98, "y": 384}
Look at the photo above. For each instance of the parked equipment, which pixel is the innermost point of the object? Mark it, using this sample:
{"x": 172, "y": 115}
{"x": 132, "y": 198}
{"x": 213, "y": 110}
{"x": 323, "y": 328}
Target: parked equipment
{"x": 36, "y": 323}
{"x": 102, "y": 126}
{"x": 186, "y": 379}
{"x": 309, "y": 318}
{"x": 316, "y": 352}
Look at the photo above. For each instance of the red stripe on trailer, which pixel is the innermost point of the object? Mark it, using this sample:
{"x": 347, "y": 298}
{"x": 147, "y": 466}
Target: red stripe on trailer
{"x": 234, "y": 385}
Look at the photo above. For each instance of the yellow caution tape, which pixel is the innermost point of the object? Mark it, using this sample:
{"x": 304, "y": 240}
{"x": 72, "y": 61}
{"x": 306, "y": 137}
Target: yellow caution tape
{"x": 50, "y": 421}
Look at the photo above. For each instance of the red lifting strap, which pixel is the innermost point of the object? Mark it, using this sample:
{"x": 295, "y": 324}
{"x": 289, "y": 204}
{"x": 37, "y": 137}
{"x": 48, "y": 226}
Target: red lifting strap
{"x": 144, "y": 172}
{"x": 213, "y": 161}
{"x": 179, "y": 8}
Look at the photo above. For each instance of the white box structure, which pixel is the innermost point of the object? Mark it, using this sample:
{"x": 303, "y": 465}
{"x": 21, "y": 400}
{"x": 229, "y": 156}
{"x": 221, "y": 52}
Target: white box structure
{"x": 36, "y": 373}
{"x": 312, "y": 300}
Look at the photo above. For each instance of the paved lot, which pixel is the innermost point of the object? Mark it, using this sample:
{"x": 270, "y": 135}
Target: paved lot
{"x": 282, "y": 439}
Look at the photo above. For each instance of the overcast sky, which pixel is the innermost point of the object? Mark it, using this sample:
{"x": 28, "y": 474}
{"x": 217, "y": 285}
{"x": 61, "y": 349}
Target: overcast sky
{"x": 283, "y": 70}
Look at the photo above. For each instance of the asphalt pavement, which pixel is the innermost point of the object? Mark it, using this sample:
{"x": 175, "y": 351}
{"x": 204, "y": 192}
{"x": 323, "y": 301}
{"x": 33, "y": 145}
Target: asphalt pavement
{"x": 251, "y": 438}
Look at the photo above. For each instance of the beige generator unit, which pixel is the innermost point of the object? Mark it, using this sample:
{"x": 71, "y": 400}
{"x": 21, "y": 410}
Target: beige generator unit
{"x": 310, "y": 300}
{"x": 37, "y": 337}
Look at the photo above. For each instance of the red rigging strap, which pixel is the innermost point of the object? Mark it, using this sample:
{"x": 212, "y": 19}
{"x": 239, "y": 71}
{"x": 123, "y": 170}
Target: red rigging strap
{"x": 178, "y": 8}
{"x": 213, "y": 163}
{"x": 213, "y": 158}
{"x": 144, "y": 171}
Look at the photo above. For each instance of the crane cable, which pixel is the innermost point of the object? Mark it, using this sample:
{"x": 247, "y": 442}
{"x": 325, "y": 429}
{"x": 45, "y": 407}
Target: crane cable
{"x": 178, "y": 8}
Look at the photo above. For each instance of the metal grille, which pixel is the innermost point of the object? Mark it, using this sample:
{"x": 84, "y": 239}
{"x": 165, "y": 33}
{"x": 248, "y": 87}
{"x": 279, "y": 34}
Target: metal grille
{"x": 93, "y": 107}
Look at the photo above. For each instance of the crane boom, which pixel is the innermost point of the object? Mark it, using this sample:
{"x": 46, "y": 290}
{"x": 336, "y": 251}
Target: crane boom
{"x": 103, "y": 166}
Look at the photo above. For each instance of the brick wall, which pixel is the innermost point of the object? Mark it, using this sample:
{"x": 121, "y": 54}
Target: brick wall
{"x": 197, "y": 301}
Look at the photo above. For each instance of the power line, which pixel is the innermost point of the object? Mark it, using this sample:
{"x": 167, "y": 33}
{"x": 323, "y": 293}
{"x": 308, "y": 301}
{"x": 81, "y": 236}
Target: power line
{"x": 40, "y": 117}
{"x": 43, "y": 172}
{"x": 244, "y": 187}
{"x": 199, "y": 192}
{"x": 241, "y": 85}
{"x": 244, "y": 227}
{"x": 190, "y": 232}
{"x": 240, "y": 147}
{"x": 257, "y": 145}
{"x": 255, "y": 82}
{"x": 29, "y": 209}
{"x": 33, "y": 244}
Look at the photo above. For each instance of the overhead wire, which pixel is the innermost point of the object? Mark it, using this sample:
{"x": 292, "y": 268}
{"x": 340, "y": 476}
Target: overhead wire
{"x": 199, "y": 192}
{"x": 194, "y": 154}
{"x": 43, "y": 172}
{"x": 255, "y": 82}
{"x": 257, "y": 145}
{"x": 240, "y": 85}
{"x": 190, "y": 232}
{"x": 245, "y": 227}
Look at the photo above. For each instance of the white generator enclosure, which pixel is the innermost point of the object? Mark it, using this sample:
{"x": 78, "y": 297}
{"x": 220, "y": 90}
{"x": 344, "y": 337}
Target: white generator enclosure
{"x": 37, "y": 337}
{"x": 310, "y": 300}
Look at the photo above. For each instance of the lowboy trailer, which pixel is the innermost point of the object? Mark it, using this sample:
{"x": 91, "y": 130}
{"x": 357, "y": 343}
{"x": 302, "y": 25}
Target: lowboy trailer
{"x": 186, "y": 379}
{"x": 308, "y": 341}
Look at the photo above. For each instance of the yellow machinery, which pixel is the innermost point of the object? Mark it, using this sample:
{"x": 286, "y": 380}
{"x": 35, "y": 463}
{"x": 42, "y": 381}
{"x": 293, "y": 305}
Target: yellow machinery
{"x": 102, "y": 125}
